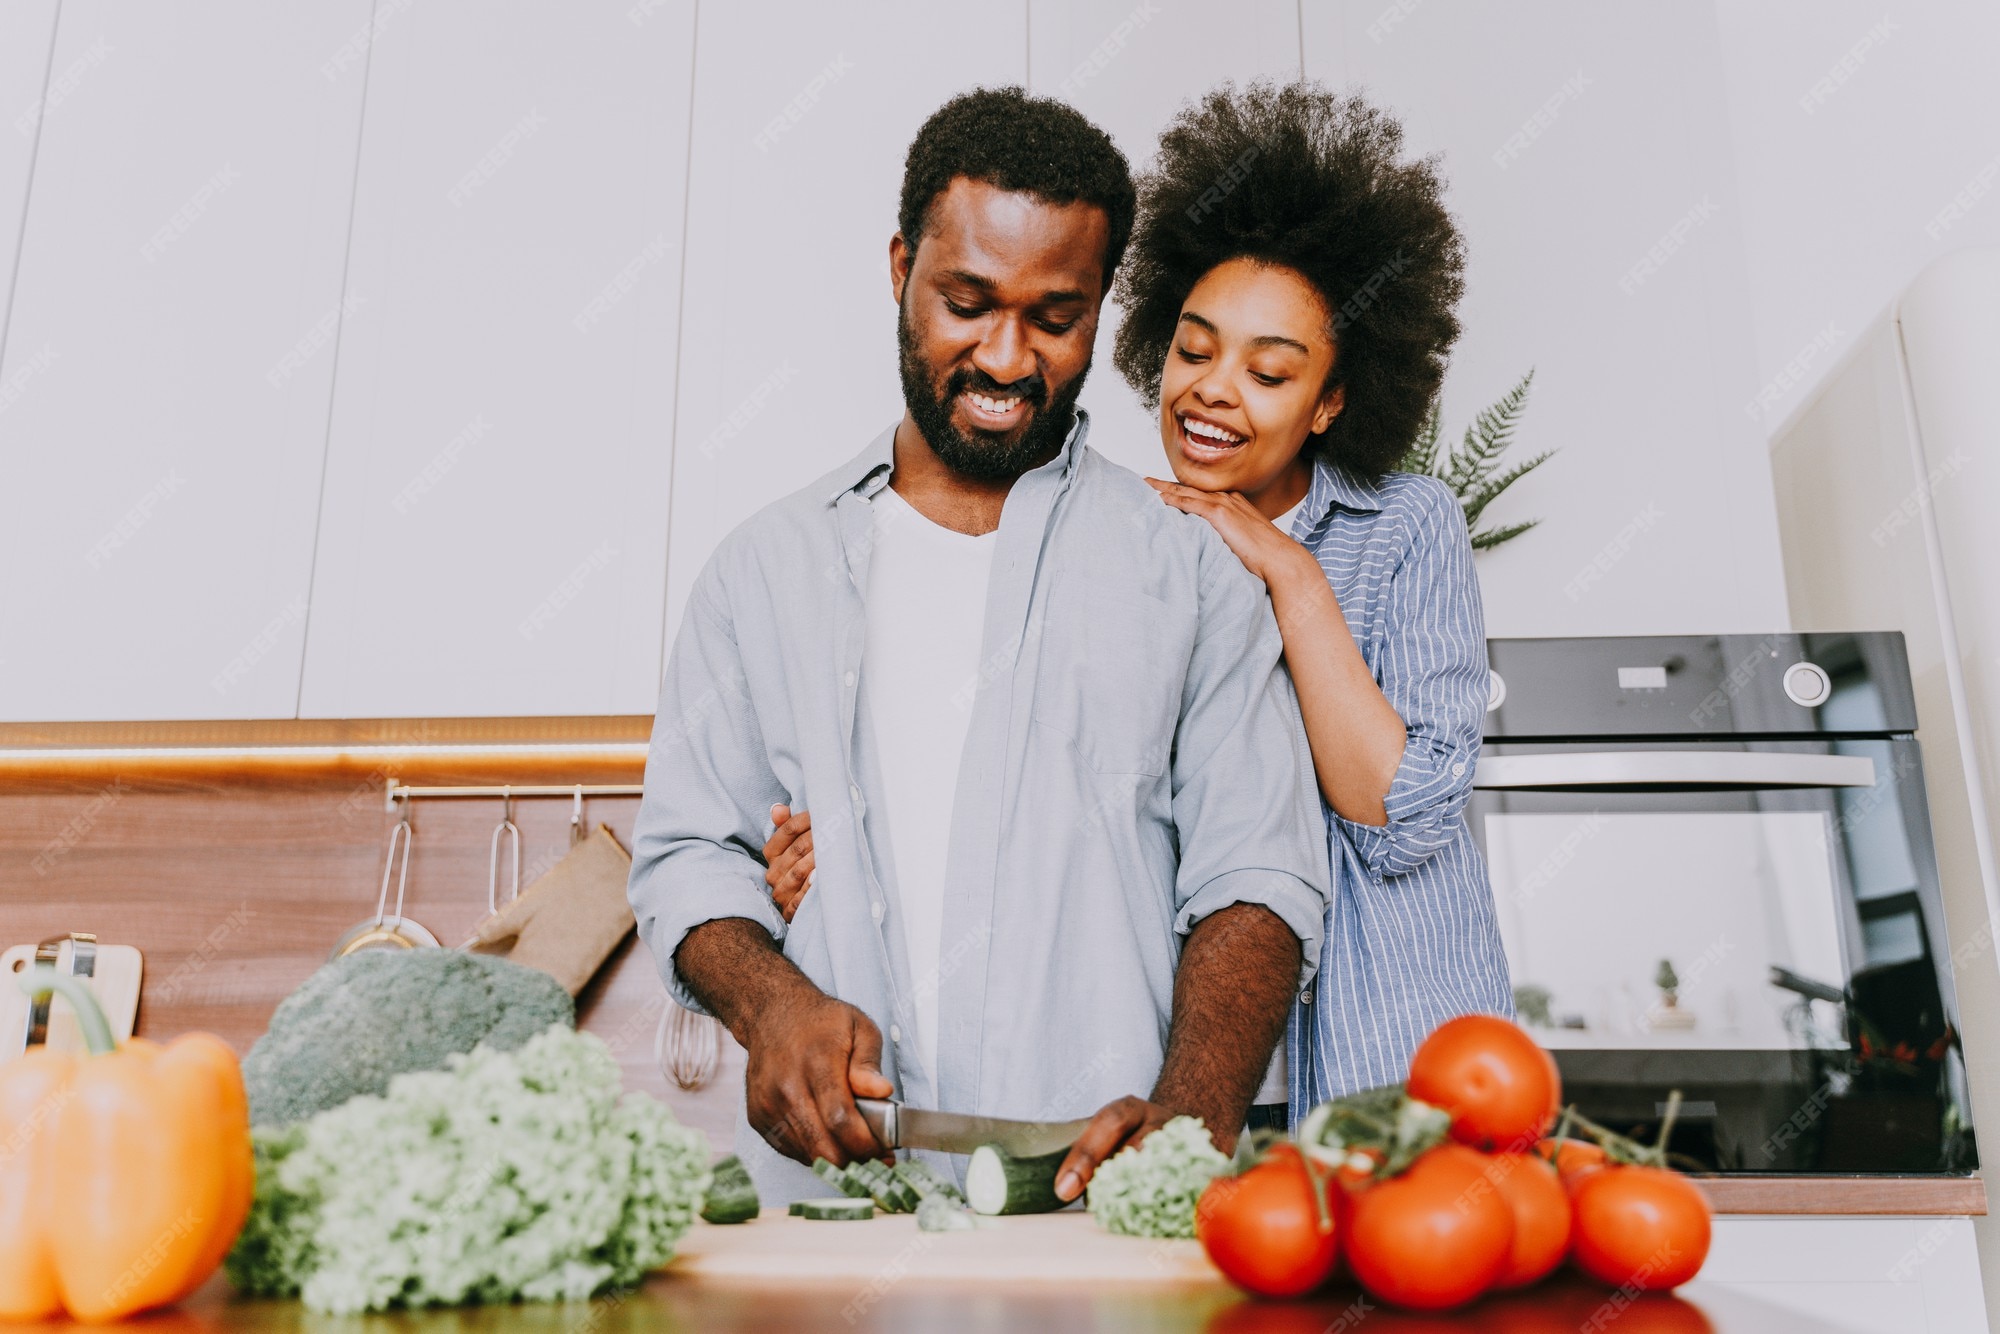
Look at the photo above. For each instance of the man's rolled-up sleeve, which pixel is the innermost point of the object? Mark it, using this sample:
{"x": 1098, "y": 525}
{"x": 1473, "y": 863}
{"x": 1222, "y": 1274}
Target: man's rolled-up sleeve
{"x": 696, "y": 845}
{"x": 1244, "y": 798}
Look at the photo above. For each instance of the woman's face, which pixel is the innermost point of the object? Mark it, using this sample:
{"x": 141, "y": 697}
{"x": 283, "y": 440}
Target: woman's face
{"x": 1244, "y": 383}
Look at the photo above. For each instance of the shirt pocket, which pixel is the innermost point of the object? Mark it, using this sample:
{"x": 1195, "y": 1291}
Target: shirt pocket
{"x": 1115, "y": 688}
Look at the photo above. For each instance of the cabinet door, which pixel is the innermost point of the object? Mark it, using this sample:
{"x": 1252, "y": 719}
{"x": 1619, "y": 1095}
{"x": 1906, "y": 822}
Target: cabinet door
{"x": 27, "y": 35}
{"x": 1129, "y": 66}
{"x": 168, "y": 357}
{"x": 802, "y": 118}
{"x": 493, "y": 530}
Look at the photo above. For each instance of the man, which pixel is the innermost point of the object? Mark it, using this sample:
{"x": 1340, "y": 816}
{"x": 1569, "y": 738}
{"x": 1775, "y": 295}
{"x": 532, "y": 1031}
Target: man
{"x": 1065, "y": 830}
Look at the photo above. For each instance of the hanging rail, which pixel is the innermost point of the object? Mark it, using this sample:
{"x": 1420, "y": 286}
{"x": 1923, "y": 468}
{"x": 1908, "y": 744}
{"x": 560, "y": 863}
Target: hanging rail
{"x": 396, "y": 792}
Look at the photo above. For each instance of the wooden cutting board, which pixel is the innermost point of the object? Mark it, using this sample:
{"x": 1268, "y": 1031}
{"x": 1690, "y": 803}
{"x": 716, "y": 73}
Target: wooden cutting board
{"x": 1064, "y": 1247}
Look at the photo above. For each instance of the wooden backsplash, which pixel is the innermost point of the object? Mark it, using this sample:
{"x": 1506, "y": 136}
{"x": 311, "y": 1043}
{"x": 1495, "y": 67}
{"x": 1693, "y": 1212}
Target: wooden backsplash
{"x": 236, "y": 890}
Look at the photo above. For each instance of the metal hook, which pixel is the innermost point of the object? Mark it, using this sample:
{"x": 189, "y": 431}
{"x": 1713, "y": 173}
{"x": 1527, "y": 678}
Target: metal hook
{"x": 576, "y": 818}
{"x": 505, "y": 827}
{"x": 408, "y": 833}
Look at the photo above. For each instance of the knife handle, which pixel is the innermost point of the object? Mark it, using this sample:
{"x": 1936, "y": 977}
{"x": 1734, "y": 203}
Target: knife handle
{"x": 881, "y": 1118}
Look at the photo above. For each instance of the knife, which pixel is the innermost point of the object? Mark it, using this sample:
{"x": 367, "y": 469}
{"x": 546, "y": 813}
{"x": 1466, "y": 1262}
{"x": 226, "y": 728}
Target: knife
{"x": 900, "y": 1127}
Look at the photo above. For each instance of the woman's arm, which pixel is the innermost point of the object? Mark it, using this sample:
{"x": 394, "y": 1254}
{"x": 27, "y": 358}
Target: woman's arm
{"x": 1356, "y": 735}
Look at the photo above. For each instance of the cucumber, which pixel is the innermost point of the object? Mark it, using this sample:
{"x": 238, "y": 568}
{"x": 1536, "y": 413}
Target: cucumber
{"x": 996, "y": 1182}
{"x": 841, "y": 1209}
{"x": 798, "y": 1208}
{"x": 732, "y": 1197}
{"x": 841, "y": 1179}
{"x": 920, "y": 1178}
{"x": 939, "y": 1214}
{"x": 884, "y": 1187}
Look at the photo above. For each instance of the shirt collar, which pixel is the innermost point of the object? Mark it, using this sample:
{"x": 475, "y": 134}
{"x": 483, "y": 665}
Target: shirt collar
{"x": 868, "y": 471}
{"x": 1334, "y": 485}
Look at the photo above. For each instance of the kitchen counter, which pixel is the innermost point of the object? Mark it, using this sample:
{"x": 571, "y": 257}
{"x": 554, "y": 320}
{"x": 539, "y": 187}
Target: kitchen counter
{"x": 1054, "y": 1272}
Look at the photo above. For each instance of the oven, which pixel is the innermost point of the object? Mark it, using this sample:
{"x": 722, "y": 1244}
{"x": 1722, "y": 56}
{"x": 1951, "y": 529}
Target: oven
{"x": 1712, "y": 864}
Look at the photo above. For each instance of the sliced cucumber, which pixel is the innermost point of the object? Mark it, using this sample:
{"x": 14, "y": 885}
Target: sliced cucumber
{"x": 939, "y": 1213}
{"x": 920, "y": 1178}
{"x": 840, "y": 1209}
{"x": 997, "y": 1182}
{"x": 732, "y": 1196}
{"x": 884, "y": 1186}
{"x": 841, "y": 1179}
{"x": 798, "y": 1208}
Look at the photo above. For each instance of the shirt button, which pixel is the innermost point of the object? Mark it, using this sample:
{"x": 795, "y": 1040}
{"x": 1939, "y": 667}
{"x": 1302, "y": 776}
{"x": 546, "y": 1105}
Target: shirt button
{"x": 1306, "y": 996}
{"x": 895, "y": 1033}
{"x": 1458, "y": 769}
{"x": 848, "y": 680}
{"x": 875, "y": 910}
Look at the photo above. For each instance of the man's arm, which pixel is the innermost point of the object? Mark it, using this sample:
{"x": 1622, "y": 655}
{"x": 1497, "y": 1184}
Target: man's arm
{"x": 1231, "y": 994}
{"x": 703, "y": 908}
{"x": 809, "y": 1053}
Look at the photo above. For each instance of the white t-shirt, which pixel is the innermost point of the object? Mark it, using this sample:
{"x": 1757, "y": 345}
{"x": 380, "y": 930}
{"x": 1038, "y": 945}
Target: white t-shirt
{"x": 1277, "y": 1086}
{"x": 926, "y": 610}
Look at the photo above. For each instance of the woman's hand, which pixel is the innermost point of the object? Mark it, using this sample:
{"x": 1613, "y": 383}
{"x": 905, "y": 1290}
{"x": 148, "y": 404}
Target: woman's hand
{"x": 1264, "y": 550}
{"x": 788, "y": 858}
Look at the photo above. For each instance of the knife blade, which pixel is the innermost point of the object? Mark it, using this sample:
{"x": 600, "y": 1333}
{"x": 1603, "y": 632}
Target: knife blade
{"x": 897, "y": 1126}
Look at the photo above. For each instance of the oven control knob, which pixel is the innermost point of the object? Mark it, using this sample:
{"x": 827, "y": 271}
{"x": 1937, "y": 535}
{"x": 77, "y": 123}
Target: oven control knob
{"x": 1806, "y": 684}
{"x": 1496, "y": 690}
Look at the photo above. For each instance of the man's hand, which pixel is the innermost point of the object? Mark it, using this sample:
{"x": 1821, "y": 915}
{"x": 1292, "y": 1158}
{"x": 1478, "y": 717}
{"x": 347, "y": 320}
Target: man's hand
{"x": 810, "y": 1055}
{"x": 1116, "y": 1125}
{"x": 788, "y": 858}
{"x": 807, "y": 1066}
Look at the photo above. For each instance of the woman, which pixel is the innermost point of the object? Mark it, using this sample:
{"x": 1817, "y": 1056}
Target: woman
{"x": 1289, "y": 296}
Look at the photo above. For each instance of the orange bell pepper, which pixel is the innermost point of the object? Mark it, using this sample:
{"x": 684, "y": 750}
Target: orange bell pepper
{"x": 125, "y": 1173}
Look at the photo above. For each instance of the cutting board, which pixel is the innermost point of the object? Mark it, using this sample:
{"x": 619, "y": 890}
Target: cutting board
{"x": 115, "y": 982}
{"x": 1063, "y": 1247}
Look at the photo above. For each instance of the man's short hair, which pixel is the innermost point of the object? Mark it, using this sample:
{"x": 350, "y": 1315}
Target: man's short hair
{"x": 1036, "y": 145}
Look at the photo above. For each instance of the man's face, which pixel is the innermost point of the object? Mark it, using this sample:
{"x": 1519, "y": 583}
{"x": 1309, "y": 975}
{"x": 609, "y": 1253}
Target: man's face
{"x": 999, "y": 308}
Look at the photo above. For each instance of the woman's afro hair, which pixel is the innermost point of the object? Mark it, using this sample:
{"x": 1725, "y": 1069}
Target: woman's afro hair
{"x": 1299, "y": 177}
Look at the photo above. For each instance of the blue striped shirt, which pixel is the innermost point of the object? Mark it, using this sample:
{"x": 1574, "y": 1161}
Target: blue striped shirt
{"x": 1411, "y": 935}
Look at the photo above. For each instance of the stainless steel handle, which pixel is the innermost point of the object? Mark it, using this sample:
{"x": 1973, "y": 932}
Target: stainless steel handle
{"x": 881, "y": 1118}
{"x": 1690, "y": 768}
{"x": 82, "y": 963}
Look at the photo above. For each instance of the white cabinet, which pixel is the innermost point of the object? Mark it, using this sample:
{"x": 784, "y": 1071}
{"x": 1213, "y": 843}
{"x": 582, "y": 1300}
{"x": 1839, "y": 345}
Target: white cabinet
{"x": 27, "y": 34}
{"x": 169, "y": 353}
{"x": 802, "y": 118}
{"x": 1129, "y": 66}
{"x": 494, "y": 526}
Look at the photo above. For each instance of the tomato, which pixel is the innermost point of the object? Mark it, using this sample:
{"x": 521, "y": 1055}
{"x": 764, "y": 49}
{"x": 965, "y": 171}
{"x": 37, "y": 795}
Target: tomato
{"x": 1488, "y": 1073}
{"x": 1573, "y": 1160}
{"x": 1645, "y": 1227}
{"x": 1435, "y": 1237}
{"x": 1263, "y": 1228}
{"x": 1541, "y": 1216}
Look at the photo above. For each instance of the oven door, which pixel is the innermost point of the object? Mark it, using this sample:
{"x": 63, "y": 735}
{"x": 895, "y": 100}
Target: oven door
{"x": 1756, "y": 923}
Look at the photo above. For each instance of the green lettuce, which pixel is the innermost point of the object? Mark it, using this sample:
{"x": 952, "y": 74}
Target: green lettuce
{"x": 507, "y": 1175}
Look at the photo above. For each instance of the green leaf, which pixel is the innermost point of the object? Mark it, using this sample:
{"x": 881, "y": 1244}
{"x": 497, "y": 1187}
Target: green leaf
{"x": 1473, "y": 469}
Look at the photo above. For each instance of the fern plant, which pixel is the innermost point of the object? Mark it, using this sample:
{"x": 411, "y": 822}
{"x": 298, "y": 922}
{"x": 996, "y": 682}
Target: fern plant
{"x": 1473, "y": 470}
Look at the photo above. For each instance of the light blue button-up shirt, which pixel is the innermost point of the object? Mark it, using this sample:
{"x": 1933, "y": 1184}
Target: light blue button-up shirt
{"x": 1411, "y": 938}
{"x": 1134, "y": 760}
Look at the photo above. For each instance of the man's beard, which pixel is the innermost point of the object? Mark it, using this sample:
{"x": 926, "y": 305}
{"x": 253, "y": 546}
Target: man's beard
{"x": 983, "y": 458}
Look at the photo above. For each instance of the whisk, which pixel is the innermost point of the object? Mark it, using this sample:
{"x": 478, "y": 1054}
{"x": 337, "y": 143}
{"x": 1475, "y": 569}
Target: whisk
{"x": 688, "y": 1046}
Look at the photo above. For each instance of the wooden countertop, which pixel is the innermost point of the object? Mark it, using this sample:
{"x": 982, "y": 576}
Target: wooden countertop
{"x": 1055, "y": 1272}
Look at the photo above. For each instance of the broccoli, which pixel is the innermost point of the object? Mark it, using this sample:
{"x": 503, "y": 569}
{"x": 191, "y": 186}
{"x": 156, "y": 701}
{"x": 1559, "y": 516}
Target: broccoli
{"x": 510, "y": 1174}
{"x": 365, "y": 1017}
